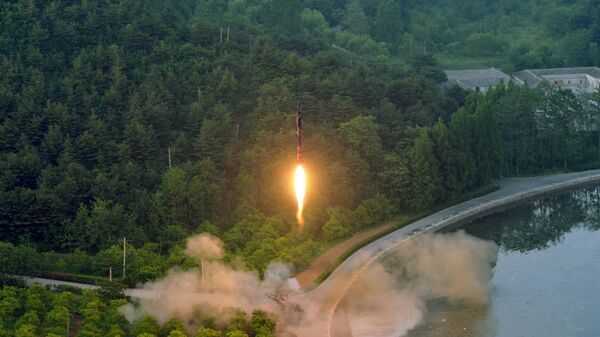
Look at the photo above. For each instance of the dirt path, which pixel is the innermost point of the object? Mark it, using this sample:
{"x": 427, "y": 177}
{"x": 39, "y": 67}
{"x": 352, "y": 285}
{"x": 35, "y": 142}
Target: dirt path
{"x": 307, "y": 277}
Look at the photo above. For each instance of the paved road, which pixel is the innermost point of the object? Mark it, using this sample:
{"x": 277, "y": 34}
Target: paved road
{"x": 329, "y": 293}
{"x": 511, "y": 191}
{"x": 131, "y": 292}
{"x": 29, "y": 281}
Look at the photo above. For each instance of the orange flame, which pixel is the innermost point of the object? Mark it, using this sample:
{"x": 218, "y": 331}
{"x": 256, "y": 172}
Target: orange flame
{"x": 300, "y": 188}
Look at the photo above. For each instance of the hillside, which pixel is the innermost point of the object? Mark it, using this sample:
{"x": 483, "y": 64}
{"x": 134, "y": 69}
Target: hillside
{"x": 95, "y": 96}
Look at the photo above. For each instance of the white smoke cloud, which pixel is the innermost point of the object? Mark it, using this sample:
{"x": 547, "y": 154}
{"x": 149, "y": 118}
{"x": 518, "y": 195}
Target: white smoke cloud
{"x": 387, "y": 300}
{"x": 204, "y": 246}
{"x": 455, "y": 265}
{"x": 185, "y": 294}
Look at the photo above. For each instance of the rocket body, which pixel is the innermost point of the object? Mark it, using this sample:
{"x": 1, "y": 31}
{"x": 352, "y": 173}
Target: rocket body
{"x": 299, "y": 135}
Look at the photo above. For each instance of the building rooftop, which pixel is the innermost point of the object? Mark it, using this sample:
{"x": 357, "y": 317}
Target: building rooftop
{"x": 470, "y": 78}
{"x": 533, "y": 77}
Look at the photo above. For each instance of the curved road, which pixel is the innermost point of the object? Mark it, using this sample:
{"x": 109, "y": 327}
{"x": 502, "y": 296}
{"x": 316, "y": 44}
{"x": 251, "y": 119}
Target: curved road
{"x": 511, "y": 191}
{"x": 324, "y": 299}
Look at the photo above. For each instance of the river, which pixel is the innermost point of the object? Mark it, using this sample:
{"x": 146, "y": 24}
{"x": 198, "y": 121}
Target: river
{"x": 545, "y": 280}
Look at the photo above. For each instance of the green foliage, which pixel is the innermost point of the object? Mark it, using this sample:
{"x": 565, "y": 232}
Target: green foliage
{"x": 208, "y": 332}
{"x": 261, "y": 323}
{"x": 485, "y": 44}
{"x": 447, "y": 164}
{"x": 26, "y": 330}
{"x": 355, "y": 20}
{"x": 361, "y": 134}
{"x": 111, "y": 291}
{"x": 146, "y": 325}
{"x": 29, "y": 320}
{"x": 116, "y": 130}
{"x": 236, "y": 333}
{"x": 57, "y": 320}
{"x": 8, "y": 307}
{"x": 87, "y": 129}
{"x": 176, "y": 333}
{"x": 104, "y": 223}
{"x": 18, "y": 259}
{"x": 116, "y": 331}
{"x": 425, "y": 179}
{"x": 172, "y": 326}
{"x": 186, "y": 193}
{"x": 334, "y": 229}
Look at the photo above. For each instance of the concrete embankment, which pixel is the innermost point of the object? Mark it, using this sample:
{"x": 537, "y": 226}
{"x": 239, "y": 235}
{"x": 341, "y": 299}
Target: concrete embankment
{"x": 528, "y": 194}
{"x": 511, "y": 192}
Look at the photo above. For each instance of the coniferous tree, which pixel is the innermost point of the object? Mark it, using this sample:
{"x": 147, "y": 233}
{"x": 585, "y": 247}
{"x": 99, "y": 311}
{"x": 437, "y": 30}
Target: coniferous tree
{"x": 355, "y": 19}
{"x": 425, "y": 179}
{"x": 446, "y": 158}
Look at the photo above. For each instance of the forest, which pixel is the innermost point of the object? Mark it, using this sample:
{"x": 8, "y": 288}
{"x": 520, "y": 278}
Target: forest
{"x": 38, "y": 311}
{"x": 154, "y": 120}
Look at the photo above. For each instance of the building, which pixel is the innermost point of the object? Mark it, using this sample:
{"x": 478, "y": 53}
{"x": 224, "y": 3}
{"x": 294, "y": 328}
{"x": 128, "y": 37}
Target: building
{"x": 578, "y": 79}
{"x": 479, "y": 80}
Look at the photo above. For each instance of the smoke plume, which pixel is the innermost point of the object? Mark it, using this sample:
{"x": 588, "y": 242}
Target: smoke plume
{"x": 188, "y": 294}
{"x": 204, "y": 246}
{"x": 388, "y": 299}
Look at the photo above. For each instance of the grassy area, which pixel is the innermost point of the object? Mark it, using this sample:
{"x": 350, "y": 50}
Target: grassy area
{"x": 402, "y": 221}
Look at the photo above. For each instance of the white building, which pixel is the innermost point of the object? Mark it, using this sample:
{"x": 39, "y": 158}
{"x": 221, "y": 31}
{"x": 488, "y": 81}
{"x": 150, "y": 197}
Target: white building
{"x": 479, "y": 80}
{"x": 578, "y": 79}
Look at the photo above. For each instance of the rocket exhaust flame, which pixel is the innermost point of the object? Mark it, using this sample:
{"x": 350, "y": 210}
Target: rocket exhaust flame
{"x": 299, "y": 176}
{"x": 300, "y": 188}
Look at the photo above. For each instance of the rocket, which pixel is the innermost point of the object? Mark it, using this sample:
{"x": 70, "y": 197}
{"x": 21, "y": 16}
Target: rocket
{"x": 299, "y": 135}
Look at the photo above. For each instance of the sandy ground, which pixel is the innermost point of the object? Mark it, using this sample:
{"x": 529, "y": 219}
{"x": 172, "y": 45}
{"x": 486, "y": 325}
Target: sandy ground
{"x": 307, "y": 277}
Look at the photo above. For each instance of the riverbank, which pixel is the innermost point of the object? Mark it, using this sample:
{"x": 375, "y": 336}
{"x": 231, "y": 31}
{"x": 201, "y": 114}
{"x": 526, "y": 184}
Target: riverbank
{"x": 512, "y": 191}
{"x": 326, "y": 262}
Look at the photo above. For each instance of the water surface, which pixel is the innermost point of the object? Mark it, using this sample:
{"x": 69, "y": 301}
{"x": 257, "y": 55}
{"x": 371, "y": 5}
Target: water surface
{"x": 547, "y": 278}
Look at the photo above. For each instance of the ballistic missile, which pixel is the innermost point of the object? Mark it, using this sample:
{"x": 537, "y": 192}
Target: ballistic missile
{"x": 299, "y": 135}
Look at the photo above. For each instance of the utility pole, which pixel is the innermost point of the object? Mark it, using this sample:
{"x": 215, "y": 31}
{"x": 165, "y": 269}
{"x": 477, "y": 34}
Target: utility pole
{"x": 202, "y": 267}
{"x": 228, "y": 34}
{"x": 124, "y": 255}
{"x": 169, "y": 149}
{"x": 221, "y": 36}
{"x": 110, "y": 273}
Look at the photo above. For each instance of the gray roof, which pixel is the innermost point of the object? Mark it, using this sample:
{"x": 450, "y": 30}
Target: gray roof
{"x": 533, "y": 77}
{"x": 469, "y": 78}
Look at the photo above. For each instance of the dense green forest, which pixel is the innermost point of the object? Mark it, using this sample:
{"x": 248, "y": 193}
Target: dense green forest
{"x": 95, "y": 96}
{"x": 154, "y": 120}
{"x": 509, "y": 34}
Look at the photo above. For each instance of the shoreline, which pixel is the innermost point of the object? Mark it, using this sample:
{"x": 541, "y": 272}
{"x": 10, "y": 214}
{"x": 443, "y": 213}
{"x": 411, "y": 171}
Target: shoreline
{"x": 512, "y": 192}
